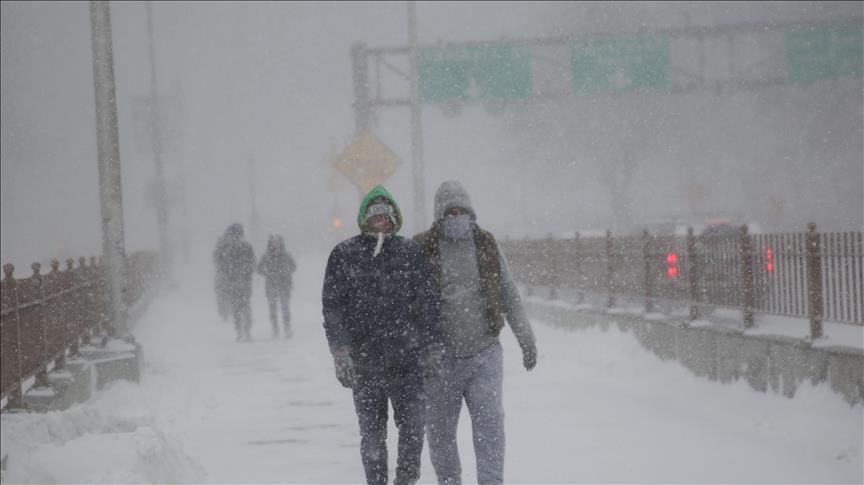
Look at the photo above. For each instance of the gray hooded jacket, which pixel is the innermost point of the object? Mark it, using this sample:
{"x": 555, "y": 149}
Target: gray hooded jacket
{"x": 462, "y": 308}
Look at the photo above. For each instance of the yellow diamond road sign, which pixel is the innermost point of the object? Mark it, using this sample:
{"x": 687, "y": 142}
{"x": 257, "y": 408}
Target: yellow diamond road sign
{"x": 366, "y": 162}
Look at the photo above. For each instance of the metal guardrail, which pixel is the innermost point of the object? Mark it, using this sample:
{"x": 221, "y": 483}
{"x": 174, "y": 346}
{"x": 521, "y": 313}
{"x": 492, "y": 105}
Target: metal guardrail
{"x": 818, "y": 276}
{"x": 45, "y": 317}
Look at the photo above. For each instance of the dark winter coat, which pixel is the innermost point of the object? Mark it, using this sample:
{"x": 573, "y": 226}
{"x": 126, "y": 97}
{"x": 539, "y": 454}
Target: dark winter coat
{"x": 383, "y": 308}
{"x": 235, "y": 261}
{"x": 277, "y": 267}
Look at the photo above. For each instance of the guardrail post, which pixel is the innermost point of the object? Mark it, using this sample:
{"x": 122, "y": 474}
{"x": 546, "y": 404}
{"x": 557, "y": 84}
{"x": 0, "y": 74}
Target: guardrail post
{"x": 551, "y": 263}
{"x": 692, "y": 275}
{"x": 73, "y": 310}
{"x": 42, "y": 376}
{"x": 62, "y": 282}
{"x": 610, "y": 269}
{"x": 16, "y": 395}
{"x": 58, "y": 279}
{"x": 527, "y": 265}
{"x": 649, "y": 272}
{"x": 88, "y": 311}
{"x": 748, "y": 295}
{"x": 577, "y": 273}
{"x": 814, "y": 281}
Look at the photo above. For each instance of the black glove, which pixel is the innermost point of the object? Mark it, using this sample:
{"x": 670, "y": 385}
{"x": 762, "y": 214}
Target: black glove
{"x": 432, "y": 361}
{"x": 529, "y": 355}
{"x": 344, "y": 368}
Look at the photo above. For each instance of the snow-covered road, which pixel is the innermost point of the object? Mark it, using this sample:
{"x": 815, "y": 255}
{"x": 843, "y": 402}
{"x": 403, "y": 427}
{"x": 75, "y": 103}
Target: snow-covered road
{"x": 598, "y": 408}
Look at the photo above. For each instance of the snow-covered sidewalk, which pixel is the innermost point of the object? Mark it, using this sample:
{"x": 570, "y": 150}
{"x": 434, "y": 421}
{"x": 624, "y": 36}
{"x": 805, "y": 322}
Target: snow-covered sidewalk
{"x": 598, "y": 408}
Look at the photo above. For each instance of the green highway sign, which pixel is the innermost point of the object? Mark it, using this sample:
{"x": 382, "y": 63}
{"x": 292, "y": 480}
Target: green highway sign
{"x": 827, "y": 51}
{"x": 473, "y": 71}
{"x": 620, "y": 63}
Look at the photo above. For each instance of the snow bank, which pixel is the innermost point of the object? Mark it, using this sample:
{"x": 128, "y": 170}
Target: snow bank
{"x": 111, "y": 439}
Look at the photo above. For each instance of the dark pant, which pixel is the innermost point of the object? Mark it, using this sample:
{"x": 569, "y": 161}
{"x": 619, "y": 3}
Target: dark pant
{"x": 241, "y": 309}
{"x": 278, "y": 294}
{"x": 404, "y": 388}
{"x": 222, "y": 304}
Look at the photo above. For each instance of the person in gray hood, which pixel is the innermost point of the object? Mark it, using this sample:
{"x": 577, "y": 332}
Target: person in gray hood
{"x": 477, "y": 296}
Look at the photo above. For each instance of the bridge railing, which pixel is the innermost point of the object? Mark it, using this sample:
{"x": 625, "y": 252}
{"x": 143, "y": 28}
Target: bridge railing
{"x": 46, "y": 317}
{"x": 818, "y": 276}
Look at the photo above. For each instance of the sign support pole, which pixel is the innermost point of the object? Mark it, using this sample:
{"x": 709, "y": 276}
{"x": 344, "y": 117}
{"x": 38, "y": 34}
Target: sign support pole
{"x": 416, "y": 125}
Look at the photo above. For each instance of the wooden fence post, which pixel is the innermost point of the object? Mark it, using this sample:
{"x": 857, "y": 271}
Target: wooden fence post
{"x": 74, "y": 310}
{"x": 528, "y": 265}
{"x": 15, "y": 399}
{"x": 746, "y": 258}
{"x": 88, "y": 310}
{"x": 692, "y": 275}
{"x": 551, "y": 266}
{"x": 42, "y": 375}
{"x": 649, "y": 272}
{"x": 814, "y": 281}
{"x": 58, "y": 279}
{"x": 610, "y": 270}
{"x": 577, "y": 273}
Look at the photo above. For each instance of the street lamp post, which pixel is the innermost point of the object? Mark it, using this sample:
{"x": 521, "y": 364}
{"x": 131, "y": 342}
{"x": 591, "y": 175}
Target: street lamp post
{"x": 110, "y": 187}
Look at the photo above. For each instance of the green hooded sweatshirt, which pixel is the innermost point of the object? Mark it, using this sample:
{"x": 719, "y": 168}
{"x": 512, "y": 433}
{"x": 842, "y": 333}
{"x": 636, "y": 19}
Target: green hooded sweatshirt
{"x": 379, "y": 191}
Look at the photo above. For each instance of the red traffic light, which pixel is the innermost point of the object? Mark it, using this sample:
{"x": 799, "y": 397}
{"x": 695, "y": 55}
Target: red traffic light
{"x": 671, "y": 264}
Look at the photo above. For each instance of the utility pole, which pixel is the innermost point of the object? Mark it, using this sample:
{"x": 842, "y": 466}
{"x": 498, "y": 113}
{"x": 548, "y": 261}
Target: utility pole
{"x": 360, "y": 70}
{"x": 110, "y": 186}
{"x": 416, "y": 124}
{"x": 165, "y": 251}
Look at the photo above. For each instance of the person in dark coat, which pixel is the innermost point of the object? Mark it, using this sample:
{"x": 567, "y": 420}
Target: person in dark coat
{"x": 277, "y": 266}
{"x": 381, "y": 322}
{"x": 219, "y": 284}
{"x": 477, "y": 296}
{"x": 236, "y": 262}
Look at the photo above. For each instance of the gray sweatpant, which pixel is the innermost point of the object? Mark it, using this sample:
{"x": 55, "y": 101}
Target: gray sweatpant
{"x": 478, "y": 380}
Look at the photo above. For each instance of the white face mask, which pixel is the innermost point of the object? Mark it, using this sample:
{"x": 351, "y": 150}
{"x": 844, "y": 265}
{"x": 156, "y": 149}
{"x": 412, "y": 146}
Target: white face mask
{"x": 456, "y": 227}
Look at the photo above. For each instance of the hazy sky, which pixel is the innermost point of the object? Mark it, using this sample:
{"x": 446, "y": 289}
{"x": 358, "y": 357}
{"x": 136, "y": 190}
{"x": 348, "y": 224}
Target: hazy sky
{"x": 273, "y": 81}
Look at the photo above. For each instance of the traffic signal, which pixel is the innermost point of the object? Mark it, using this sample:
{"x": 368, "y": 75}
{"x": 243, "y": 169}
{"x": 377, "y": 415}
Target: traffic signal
{"x": 671, "y": 264}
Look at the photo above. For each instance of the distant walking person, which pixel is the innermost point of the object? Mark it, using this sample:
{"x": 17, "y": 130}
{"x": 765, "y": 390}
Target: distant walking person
{"x": 277, "y": 266}
{"x": 477, "y": 295}
{"x": 219, "y": 284}
{"x": 236, "y": 262}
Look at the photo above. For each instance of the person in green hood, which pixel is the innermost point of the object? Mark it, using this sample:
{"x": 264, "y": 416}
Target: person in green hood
{"x": 381, "y": 322}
